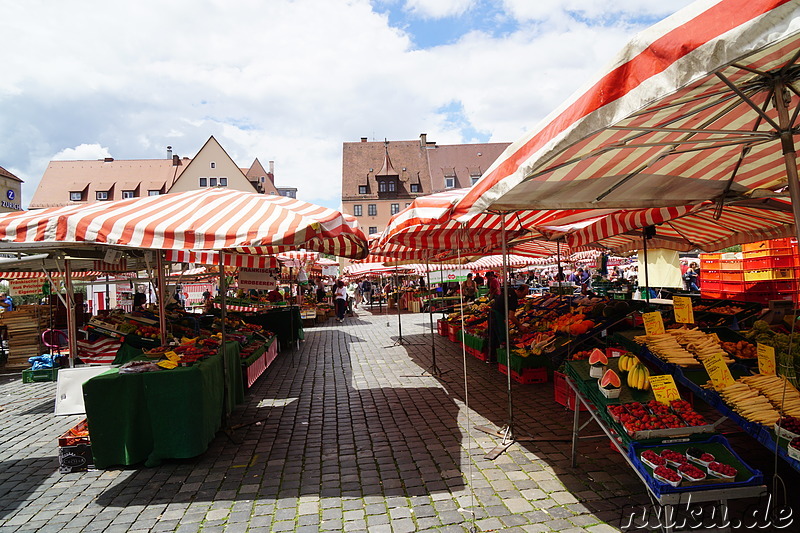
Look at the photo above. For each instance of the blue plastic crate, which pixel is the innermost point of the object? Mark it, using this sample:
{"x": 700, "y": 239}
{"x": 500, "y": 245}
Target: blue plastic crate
{"x": 658, "y": 488}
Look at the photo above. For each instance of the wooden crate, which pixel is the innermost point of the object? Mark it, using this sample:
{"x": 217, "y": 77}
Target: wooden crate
{"x": 24, "y": 327}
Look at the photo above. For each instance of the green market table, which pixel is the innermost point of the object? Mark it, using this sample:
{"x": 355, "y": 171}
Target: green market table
{"x": 148, "y": 417}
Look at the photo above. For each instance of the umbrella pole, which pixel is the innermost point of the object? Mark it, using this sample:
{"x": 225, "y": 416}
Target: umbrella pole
{"x": 789, "y": 155}
{"x": 646, "y": 275}
{"x": 72, "y": 324}
{"x": 434, "y": 369}
{"x": 560, "y": 269}
{"x": 223, "y": 300}
{"x": 510, "y": 427}
{"x": 162, "y": 315}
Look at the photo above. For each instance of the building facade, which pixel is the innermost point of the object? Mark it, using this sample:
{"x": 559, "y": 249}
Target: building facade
{"x": 11, "y": 187}
{"x": 381, "y": 178}
{"x": 79, "y": 182}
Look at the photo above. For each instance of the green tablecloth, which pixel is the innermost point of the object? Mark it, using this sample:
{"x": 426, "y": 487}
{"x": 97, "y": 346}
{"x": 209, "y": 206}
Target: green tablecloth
{"x": 159, "y": 415}
{"x": 287, "y": 324}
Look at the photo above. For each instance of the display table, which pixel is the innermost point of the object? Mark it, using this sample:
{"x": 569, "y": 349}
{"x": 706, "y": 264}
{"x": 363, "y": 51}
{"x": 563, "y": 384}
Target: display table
{"x": 257, "y": 364}
{"x": 152, "y": 416}
{"x": 682, "y": 497}
{"x": 286, "y": 323}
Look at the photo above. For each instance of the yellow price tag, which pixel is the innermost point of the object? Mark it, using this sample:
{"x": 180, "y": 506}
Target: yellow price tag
{"x": 653, "y": 323}
{"x": 766, "y": 359}
{"x": 718, "y": 371}
{"x": 167, "y": 364}
{"x": 664, "y": 388}
{"x": 684, "y": 312}
{"x": 172, "y": 356}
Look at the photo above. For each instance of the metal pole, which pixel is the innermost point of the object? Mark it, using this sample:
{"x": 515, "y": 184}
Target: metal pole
{"x": 789, "y": 155}
{"x": 508, "y": 335}
{"x": 559, "y": 270}
{"x": 72, "y": 324}
{"x": 397, "y": 303}
{"x": 162, "y": 304}
{"x": 430, "y": 315}
{"x": 646, "y": 275}
{"x": 223, "y": 300}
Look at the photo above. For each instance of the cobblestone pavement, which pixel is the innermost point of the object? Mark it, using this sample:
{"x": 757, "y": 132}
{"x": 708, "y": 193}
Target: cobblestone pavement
{"x": 348, "y": 433}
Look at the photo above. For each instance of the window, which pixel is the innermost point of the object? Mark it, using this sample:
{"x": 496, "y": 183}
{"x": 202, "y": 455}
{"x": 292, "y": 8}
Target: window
{"x": 475, "y": 179}
{"x": 449, "y": 182}
{"x": 101, "y": 195}
{"x": 373, "y": 229}
{"x": 372, "y": 210}
{"x": 153, "y": 192}
{"x": 223, "y": 182}
{"x": 408, "y": 204}
{"x": 395, "y": 208}
{"x": 415, "y": 187}
{"x": 392, "y": 186}
{"x": 204, "y": 182}
{"x": 362, "y": 189}
{"x": 382, "y": 186}
{"x": 75, "y": 196}
{"x": 263, "y": 178}
{"x": 128, "y": 194}
{"x": 213, "y": 165}
{"x": 212, "y": 182}
{"x": 357, "y": 210}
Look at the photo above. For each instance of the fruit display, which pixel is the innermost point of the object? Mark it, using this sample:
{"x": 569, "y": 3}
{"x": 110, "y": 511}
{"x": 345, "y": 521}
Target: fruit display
{"x": 667, "y": 475}
{"x": 788, "y": 427}
{"x": 697, "y": 455}
{"x": 794, "y": 448}
{"x": 597, "y": 363}
{"x": 749, "y": 403}
{"x": 652, "y": 459}
{"x": 781, "y": 394}
{"x": 639, "y": 377}
{"x": 784, "y": 358}
{"x": 721, "y": 470}
{"x": 687, "y": 413}
{"x": 700, "y": 344}
{"x": 727, "y": 309}
{"x": 610, "y": 384}
{"x": 690, "y": 472}
{"x": 626, "y": 361}
{"x": 666, "y": 347}
{"x": 740, "y": 349}
{"x": 673, "y": 458}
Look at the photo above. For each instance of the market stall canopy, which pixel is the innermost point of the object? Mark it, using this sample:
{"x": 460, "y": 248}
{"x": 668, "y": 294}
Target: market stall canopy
{"x": 685, "y": 113}
{"x": 207, "y": 219}
{"x": 200, "y": 257}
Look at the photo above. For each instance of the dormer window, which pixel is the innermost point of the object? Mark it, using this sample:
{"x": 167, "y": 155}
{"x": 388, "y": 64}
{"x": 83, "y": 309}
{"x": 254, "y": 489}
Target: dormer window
{"x": 475, "y": 179}
{"x": 392, "y": 186}
{"x": 415, "y": 187}
{"x": 128, "y": 194}
{"x": 450, "y": 182}
{"x": 362, "y": 189}
{"x": 382, "y": 186}
{"x": 75, "y": 196}
{"x": 101, "y": 195}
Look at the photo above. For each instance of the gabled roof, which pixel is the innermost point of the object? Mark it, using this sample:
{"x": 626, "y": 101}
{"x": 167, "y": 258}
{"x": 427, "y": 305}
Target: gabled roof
{"x": 6, "y": 174}
{"x": 63, "y": 177}
{"x": 256, "y": 172}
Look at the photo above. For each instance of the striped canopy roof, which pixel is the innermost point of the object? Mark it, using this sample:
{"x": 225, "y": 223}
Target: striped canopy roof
{"x": 682, "y": 115}
{"x": 207, "y": 219}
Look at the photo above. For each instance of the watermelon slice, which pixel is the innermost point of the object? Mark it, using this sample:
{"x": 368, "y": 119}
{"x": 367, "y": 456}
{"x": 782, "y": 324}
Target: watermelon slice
{"x": 610, "y": 380}
{"x": 598, "y": 358}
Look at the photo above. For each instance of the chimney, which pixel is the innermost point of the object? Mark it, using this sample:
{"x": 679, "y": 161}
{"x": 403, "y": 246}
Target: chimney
{"x": 176, "y": 161}
{"x": 108, "y": 159}
{"x": 363, "y": 139}
{"x": 169, "y": 152}
{"x": 423, "y": 140}
{"x": 272, "y": 167}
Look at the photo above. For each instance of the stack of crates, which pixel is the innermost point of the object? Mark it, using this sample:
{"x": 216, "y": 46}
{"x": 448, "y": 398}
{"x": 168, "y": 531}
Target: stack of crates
{"x": 762, "y": 271}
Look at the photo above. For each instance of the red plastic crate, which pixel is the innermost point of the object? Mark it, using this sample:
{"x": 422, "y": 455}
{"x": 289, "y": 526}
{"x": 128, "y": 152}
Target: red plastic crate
{"x": 563, "y": 394}
{"x": 483, "y": 356}
{"x": 709, "y": 264}
{"x": 769, "y": 261}
{"x": 452, "y": 334}
{"x": 715, "y": 295}
{"x": 710, "y": 275}
{"x": 528, "y": 375}
{"x": 441, "y": 327}
{"x": 730, "y": 287}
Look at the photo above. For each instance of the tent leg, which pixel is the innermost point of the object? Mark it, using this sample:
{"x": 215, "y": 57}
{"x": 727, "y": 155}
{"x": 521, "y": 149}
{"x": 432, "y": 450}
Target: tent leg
{"x": 789, "y": 155}
{"x": 400, "y": 341}
{"x": 72, "y": 323}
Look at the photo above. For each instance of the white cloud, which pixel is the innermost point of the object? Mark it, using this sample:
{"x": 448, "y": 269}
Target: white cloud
{"x": 288, "y": 81}
{"x": 436, "y": 9}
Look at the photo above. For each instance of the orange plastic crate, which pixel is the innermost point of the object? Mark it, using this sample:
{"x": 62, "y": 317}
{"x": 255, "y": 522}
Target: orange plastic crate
{"x": 715, "y": 295}
{"x": 732, "y": 275}
{"x": 710, "y": 275}
{"x": 730, "y": 264}
{"x": 703, "y": 257}
{"x": 755, "y": 246}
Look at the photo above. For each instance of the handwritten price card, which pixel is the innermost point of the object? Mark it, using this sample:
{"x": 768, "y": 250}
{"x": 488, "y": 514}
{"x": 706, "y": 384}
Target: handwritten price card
{"x": 684, "y": 313}
{"x": 718, "y": 371}
{"x": 172, "y": 356}
{"x": 766, "y": 359}
{"x": 664, "y": 388}
{"x": 653, "y": 323}
{"x": 167, "y": 364}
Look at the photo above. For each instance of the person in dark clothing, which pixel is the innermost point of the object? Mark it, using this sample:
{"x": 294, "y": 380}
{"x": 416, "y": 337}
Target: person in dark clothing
{"x": 479, "y": 280}
{"x": 497, "y": 330}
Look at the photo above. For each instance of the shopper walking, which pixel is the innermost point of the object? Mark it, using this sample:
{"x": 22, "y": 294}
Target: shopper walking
{"x": 340, "y": 299}
{"x": 468, "y": 288}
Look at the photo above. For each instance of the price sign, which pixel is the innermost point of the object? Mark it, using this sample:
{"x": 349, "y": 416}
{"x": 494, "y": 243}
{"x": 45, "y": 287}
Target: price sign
{"x": 684, "y": 313}
{"x": 766, "y": 359}
{"x": 664, "y": 388}
{"x": 172, "y": 356}
{"x": 653, "y": 323}
{"x": 718, "y": 371}
{"x": 167, "y": 364}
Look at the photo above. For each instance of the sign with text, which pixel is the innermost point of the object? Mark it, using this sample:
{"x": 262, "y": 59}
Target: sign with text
{"x": 684, "y": 313}
{"x": 766, "y": 359}
{"x": 25, "y": 287}
{"x": 718, "y": 371}
{"x": 260, "y": 279}
{"x": 653, "y": 323}
{"x": 448, "y": 276}
{"x": 664, "y": 388}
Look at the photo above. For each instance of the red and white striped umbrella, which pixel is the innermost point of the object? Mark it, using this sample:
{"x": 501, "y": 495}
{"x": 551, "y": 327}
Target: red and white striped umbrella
{"x": 207, "y": 219}
{"x": 496, "y": 261}
{"x": 212, "y": 258}
{"x": 684, "y": 114}
{"x": 54, "y": 275}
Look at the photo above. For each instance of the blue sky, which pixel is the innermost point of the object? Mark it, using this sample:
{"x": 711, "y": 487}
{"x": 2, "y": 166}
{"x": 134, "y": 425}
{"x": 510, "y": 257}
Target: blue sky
{"x": 291, "y": 80}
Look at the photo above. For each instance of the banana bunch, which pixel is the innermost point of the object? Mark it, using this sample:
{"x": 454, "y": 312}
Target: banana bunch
{"x": 626, "y": 362}
{"x": 772, "y": 387}
{"x": 638, "y": 377}
{"x": 666, "y": 347}
{"x": 750, "y": 403}
{"x": 702, "y": 345}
